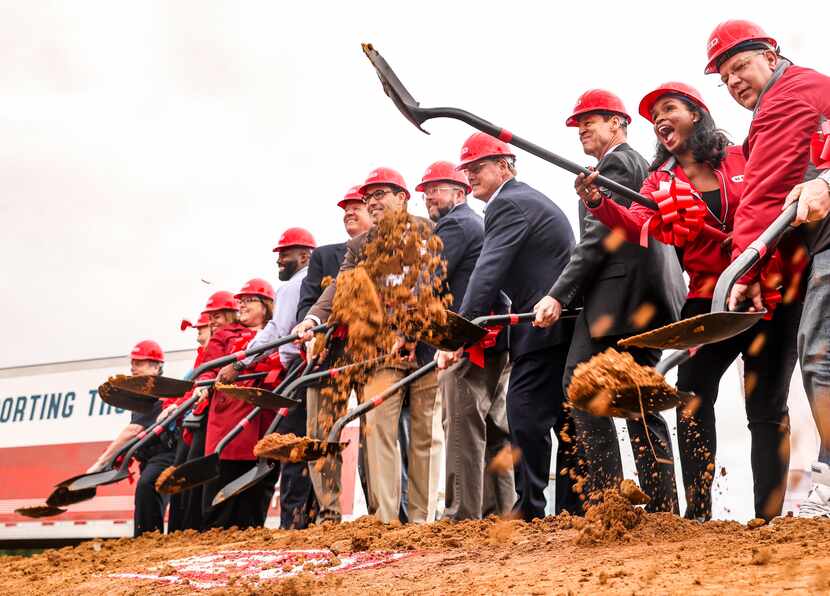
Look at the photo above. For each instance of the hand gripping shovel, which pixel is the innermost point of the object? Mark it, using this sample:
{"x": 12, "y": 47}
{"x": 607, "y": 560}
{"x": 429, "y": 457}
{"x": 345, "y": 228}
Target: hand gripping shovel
{"x": 115, "y": 475}
{"x": 201, "y": 470}
{"x": 417, "y": 115}
{"x": 459, "y": 332}
{"x": 116, "y": 395}
{"x": 720, "y": 323}
{"x": 277, "y": 399}
{"x": 291, "y": 448}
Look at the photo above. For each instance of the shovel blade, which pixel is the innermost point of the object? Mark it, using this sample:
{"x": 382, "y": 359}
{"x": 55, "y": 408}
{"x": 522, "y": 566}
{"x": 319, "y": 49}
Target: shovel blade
{"x": 38, "y": 511}
{"x": 456, "y": 333}
{"x": 125, "y": 399}
{"x": 698, "y": 330}
{"x": 258, "y": 397}
{"x": 190, "y": 474}
{"x": 625, "y": 401}
{"x": 304, "y": 449}
{"x": 151, "y": 385}
{"x": 244, "y": 482}
{"x": 62, "y": 496}
{"x": 87, "y": 481}
{"x": 393, "y": 87}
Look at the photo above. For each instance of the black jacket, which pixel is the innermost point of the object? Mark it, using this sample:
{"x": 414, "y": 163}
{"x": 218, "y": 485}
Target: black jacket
{"x": 325, "y": 262}
{"x": 462, "y": 233}
{"x": 527, "y": 243}
{"x": 619, "y": 283}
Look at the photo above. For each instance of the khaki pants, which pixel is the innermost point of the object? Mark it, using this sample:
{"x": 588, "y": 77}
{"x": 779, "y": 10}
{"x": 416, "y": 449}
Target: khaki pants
{"x": 476, "y": 425}
{"x": 325, "y": 472}
{"x": 383, "y": 459}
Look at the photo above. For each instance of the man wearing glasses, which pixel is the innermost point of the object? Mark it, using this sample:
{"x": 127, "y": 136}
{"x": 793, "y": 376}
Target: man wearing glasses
{"x": 788, "y": 143}
{"x": 473, "y": 393}
{"x": 527, "y": 244}
{"x": 385, "y": 191}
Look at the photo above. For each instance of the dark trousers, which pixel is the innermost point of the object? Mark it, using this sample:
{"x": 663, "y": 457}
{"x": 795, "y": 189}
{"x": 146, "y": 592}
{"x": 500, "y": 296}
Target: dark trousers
{"x": 535, "y": 406}
{"x": 769, "y": 354}
{"x": 186, "y": 507}
{"x": 148, "y": 515}
{"x": 597, "y": 440}
{"x": 298, "y": 505}
{"x": 249, "y": 508}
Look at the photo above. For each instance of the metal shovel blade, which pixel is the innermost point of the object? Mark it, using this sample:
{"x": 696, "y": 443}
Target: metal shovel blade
{"x": 295, "y": 449}
{"x": 190, "y": 474}
{"x": 125, "y": 399}
{"x": 456, "y": 333}
{"x": 151, "y": 385}
{"x": 37, "y": 511}
{"x": 244, "y": 482}
{"x": 624, "y": 402}
{"x": 87, "y": 481}
{"x": 702, "y": 329}
{"x": 62, "y": 496}
{"x": 258, "y": 397}
{"x": 393, "y": 87}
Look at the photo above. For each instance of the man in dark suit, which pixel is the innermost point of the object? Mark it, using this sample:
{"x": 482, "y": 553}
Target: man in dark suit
{"x": 325, "y": 262}
{"x": 625, "y": 289}
{"x": 473, "y": 394}
{"x": 527, "y": 242}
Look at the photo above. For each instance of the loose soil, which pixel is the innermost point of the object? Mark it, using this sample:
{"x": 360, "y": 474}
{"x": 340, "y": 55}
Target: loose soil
{"x": 288, "y": 447}
{"x": 165, "y": 485}
{"x": 615, "y": 549}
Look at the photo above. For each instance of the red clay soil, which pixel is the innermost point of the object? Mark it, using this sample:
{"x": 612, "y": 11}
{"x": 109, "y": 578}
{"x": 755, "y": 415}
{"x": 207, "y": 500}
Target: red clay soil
{"x": 615, "y": 549}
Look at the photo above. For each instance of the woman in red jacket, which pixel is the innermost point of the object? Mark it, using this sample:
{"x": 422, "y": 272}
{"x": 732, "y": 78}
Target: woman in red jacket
{"x": 248, "y": 509}
{"x": 693, "y": 151}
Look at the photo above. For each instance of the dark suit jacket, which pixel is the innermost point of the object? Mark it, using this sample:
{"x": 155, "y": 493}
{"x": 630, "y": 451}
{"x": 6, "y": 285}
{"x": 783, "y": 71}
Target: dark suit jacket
{"x": 462, "y": 233}
{"x": 618, "y": 283}
{"x": 527, "y": 242}
{"x": 354, "y": 254}
{"x": 325, "y": 262}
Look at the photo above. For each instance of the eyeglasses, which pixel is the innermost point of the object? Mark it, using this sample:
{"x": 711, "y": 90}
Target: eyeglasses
{"x": 377, "y": 195}
{"x": 249, "y": 299}
{"x": 739, "y": 68}
{"x": 434, "y": 190}
{"x": 476, "y": 167}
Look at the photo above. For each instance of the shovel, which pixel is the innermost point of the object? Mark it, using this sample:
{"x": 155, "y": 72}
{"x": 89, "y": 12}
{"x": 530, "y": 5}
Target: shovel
{"x": 115, "y": 475}
{"x": 417, "y": 115}
{"x": 126, "y": 399}
{"x": 296, "y": 449}
{"x": 202, "y": 470}
{"x": 459, "y": 332}
{"x": 720, "y": 323}
{"x": 277, "y": 399}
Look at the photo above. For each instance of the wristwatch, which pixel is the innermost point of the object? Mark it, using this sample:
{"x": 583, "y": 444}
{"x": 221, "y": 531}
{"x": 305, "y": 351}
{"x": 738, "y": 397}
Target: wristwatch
{"x": 239, "y": 366}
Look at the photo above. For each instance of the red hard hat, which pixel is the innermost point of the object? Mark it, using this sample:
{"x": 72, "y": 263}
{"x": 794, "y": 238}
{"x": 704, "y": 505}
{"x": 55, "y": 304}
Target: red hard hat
{"x": 203, "y": 321}
{"x": 256, "y": 287}
{"x": 481, "y": 145}
{"x": 444, "y": 171}
{"x": 729, "y": 34}
{"x": 147, "y": 350}
{"x": 353, "y": 194}
{"x": 672, "y": 87}
{"x": 384, "y": 176}
{"x": 221, "y": 301}
{"x": 295, "y": 237}
{"x": 597, "y": 100}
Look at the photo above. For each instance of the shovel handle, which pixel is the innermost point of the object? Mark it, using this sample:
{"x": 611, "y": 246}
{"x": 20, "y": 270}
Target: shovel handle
{"x": 674, "y": 359}
{"x": 371, "y": 404}
{"x": 209, "y": 382}
{"x": 525, "y": 317}
{"x": 243, "y": 354}
{"x": 329, "y": 373}
{"x": 756, "y": 251}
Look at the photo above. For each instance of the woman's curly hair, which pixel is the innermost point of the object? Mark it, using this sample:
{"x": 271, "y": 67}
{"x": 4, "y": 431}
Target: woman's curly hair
{"x": 708, "y": 143}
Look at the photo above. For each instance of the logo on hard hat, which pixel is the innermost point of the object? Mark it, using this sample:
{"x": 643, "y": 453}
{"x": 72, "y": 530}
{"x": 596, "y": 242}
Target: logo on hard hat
{"x": 712, "y": 43}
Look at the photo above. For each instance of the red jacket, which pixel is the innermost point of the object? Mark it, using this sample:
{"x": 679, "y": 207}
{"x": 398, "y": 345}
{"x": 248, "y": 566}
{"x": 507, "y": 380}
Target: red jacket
{"x": 705, "y": 258}
{"x": 778, "y": 153}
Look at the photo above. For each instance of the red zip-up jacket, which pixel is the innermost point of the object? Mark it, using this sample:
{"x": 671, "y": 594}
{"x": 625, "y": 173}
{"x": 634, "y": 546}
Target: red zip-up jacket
{"x": 705, "y": 258}
{"x": 788, "y": 113}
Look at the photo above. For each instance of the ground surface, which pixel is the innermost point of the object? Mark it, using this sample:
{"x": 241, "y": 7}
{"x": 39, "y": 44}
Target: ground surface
{"x": 655, "y": 554}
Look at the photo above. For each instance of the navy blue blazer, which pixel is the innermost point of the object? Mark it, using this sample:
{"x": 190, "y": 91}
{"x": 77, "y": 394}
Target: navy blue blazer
{"x": 527, "y": 243}
{"x": 325, "y": 261}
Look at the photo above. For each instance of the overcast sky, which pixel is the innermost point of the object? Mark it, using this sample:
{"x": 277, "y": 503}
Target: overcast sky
{"x": 145, "y": 147}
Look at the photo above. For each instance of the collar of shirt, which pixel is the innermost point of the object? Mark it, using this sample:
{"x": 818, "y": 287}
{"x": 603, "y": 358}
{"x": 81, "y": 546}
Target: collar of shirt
{"x": 496, "y": 194}
{"x": 612, "y": 148}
